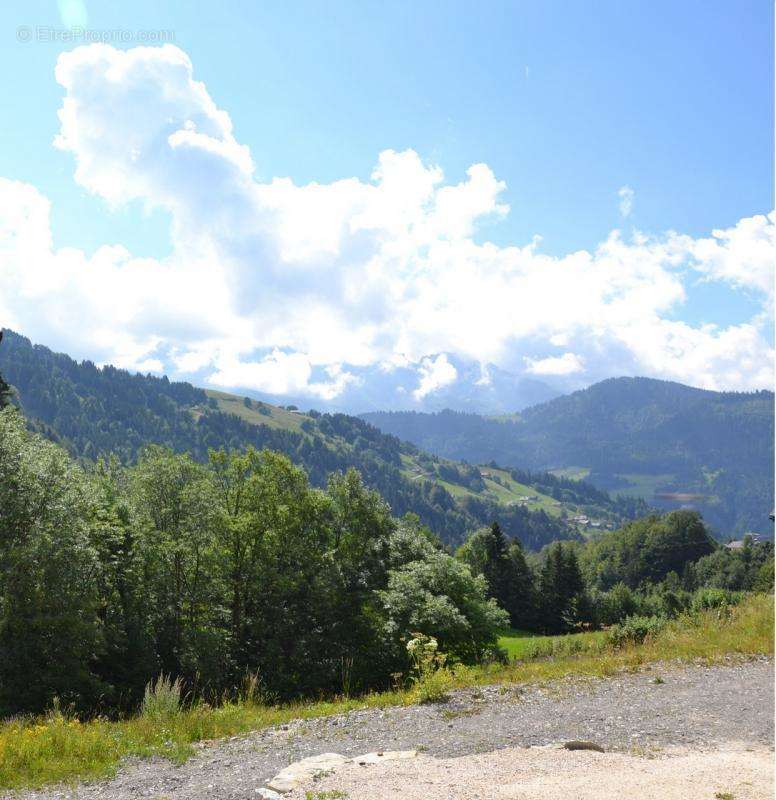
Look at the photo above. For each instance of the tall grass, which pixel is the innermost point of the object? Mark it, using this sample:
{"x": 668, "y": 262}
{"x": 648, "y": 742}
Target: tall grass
{"x": 162, "y": 698}
{"x": 34, "y": 752}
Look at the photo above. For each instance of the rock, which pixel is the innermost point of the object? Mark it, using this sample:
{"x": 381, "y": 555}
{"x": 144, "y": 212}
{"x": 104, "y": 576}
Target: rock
{"x": 576, "y": 745}
{"x": 294, "y": 774}
{"x": 300, "y": 771}
{"x": 387, "y": 755}
{"x": 268, "y": 794}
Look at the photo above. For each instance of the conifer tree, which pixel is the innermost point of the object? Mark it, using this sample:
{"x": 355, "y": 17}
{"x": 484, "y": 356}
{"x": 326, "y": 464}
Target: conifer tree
{"x": 562, "y": 597}
{"x": 5, "y": 389}
{"x": 502, "y": 563}
{"x": 550, "y": 594}
{"x": 5, "y": 393}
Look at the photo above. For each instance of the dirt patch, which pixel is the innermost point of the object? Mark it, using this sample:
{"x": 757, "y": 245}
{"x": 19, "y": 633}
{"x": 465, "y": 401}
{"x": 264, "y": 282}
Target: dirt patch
{"x": 552, "y": 773}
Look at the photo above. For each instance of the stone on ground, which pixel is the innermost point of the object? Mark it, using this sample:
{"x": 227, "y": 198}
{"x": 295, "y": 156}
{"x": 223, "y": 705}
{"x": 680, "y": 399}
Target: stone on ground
{"x": 306, "y": 769}
{"x": 314, "y": 767}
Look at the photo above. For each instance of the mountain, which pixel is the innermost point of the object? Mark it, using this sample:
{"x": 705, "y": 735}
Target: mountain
{"x": 93, "y": 411}
{"x": 671, "y": 444}
{"x": 472, "y": 387}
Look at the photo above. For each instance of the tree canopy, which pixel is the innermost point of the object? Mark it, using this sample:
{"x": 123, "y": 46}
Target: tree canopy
{"x": 113, "y": 575}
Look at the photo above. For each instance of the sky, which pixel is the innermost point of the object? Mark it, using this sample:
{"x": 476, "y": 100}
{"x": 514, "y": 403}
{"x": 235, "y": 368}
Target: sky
{"x": 296, "y": 198}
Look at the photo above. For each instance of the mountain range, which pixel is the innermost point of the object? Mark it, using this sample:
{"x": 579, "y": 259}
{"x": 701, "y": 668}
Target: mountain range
{"x": 671, "y": 444}
{"x": 558, "y": 469}
{"x": 96, "y": 411}
{"x": 451, "y": 382}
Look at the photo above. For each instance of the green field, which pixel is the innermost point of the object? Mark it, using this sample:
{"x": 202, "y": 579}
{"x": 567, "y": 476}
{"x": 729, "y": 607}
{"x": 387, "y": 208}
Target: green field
{"x": 642, "y": 485}
{"x": 508, "y": 490}
{"x": 524, "y": 645}
{"x": 572, "y": 473}
{"x": 501, "y": 487}
{"x": 276, "y": 418}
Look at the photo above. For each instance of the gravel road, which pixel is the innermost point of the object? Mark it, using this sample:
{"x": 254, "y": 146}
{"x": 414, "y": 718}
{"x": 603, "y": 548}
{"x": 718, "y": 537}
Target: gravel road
{"x": 697, "y": 707}
{"x": 538, "y": 773}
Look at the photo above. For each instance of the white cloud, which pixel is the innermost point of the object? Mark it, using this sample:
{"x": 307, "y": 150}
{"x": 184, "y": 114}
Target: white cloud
{"x": 272, "y": 285}
{"x": 567, "y": 364}
{"x": 434, "y": 374}
{"x": 281, "y": 373}
{"x": 485, "y": 378}
{"x": 742, "y": 255}
{"x": 626, "y": 195}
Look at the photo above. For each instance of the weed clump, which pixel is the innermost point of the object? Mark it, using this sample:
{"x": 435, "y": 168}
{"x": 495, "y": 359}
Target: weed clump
{"x": 162, "y": 698}
{"x": 431, "y": 680}
{"x": 634, "y": 630}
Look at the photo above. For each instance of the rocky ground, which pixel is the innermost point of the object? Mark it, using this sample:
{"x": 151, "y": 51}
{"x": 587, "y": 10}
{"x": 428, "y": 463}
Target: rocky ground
{"x": 721, "y": 716}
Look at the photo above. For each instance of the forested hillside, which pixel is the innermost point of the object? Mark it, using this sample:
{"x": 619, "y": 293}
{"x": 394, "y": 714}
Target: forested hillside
{"x": 235, "y": 568}
{"x": 668, "y": 443}
{"x": 238, "y": 569}
{"x": 94, "y": 412}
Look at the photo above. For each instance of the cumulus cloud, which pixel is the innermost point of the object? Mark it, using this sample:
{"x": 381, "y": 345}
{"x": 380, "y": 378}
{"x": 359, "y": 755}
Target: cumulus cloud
{"x": 281, "y": 373}
{"x": 567, "y": 364}
{"x": 626, "y": 195}
{"x": 289, "y": 288}
{"x": 434, "y": 374}
{"x": 742, "y": 255}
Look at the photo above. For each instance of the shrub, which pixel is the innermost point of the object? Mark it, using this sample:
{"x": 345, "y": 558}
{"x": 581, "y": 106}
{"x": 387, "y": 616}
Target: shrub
{"x": 162, "y": 697}
{"x": 635, "y": 630}
{"x": 616, "y": 604}
{"x": 431, "y": 680}
{"x": 434, "y": 686}
{"x": 708, "y": 599}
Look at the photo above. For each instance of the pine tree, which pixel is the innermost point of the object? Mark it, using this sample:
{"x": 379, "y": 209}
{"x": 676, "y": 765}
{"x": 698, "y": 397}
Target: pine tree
{"x": 5, "y": 393}
{"x": 563, "y": 599}
{"x": 551, "y": 599}
{"x": 577, "y": 606}
{"x": 522, "y": 603}
{"x": 571, "y": 577}
{"x": 502, "y": 563}
{"x": 5, "y": 389}
{"x": 495, "y": 568}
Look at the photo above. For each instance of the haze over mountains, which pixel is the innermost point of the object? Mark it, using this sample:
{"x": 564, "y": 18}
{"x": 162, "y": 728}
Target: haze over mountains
{"x": 445, "y": 381}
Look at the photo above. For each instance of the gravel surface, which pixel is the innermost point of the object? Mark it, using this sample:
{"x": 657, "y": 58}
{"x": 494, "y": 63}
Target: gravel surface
{"x": 542, "y": 774}
{"x": 698, "y": 707}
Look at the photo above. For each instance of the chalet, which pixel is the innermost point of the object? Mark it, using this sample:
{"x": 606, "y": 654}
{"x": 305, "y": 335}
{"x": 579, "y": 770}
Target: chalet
{"x": 738, "y": 544}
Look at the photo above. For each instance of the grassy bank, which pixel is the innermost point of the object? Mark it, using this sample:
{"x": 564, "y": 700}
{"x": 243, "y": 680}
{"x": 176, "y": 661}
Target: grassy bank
{"x": 55, "y": 748}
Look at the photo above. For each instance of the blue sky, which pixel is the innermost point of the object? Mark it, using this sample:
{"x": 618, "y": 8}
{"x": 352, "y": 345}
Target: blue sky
{"x": 565, "y": 102}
